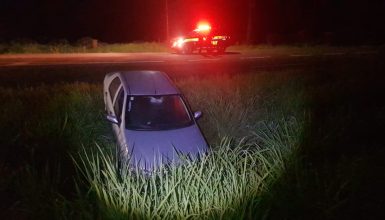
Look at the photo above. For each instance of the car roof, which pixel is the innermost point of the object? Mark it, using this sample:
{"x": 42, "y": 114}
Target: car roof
{"x": 147, "y": 83}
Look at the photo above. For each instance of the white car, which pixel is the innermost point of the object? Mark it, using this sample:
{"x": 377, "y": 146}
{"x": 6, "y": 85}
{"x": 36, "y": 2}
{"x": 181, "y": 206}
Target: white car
{"x": 151, "y": 120}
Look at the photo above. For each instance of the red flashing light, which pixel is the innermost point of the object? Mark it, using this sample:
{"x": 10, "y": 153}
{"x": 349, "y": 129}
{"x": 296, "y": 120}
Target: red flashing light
{"x": 203, "y": 27}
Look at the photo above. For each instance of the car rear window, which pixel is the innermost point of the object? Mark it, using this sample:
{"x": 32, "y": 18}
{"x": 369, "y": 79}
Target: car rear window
{"x": 156, "y": 112}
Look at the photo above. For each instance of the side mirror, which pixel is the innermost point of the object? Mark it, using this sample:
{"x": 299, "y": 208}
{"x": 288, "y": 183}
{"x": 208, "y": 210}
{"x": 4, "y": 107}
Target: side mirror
{"x": 112, "y": 119}
{"x": 197, "y": 115}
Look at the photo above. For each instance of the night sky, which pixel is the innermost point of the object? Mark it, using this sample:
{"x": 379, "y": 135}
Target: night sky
{"x": 350, "y": 21}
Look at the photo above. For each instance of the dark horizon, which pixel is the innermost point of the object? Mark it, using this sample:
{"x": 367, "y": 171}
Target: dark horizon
{"x": 274, "y": 21}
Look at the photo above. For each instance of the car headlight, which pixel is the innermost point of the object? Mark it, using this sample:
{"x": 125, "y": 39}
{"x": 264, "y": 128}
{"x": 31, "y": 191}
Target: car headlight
{"x": 179, "y": 43}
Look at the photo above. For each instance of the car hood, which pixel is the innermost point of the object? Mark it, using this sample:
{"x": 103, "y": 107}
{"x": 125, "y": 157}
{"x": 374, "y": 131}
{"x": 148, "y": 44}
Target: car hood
{"x": 150, "y": 149}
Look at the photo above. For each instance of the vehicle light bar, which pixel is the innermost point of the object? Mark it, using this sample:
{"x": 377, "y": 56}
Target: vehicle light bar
{"x": 203, "y": 27}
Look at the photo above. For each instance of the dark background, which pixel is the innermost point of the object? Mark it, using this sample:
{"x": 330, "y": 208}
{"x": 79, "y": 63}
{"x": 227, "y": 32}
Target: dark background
{"x": 253, "y": 21}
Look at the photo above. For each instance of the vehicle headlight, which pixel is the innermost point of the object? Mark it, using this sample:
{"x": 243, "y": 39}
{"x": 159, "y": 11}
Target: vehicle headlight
{"x": 179, "y": 43}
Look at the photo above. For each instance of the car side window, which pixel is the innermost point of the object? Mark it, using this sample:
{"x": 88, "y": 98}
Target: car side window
{"x": 114, "y": 86}
{"x": 118, "y": 105}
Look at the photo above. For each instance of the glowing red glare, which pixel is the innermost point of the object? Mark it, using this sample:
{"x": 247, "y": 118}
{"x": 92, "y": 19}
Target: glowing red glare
{"x": 203, "y": 27}
{"x": 178, "y": 43}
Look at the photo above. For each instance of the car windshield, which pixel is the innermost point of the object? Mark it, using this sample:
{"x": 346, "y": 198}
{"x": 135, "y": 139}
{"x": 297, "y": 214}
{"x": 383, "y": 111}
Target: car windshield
{"x": 156, "y": 112}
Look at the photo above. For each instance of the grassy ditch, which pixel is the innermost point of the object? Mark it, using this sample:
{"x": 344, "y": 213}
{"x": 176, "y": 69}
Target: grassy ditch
{"x": 294, "y": 144}
{"x": 40, "y": 128}
{"x": 222, "y": 184}
{"x": 57, "y": 160}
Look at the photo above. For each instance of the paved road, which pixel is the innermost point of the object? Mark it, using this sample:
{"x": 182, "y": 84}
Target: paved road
{"x": 26, "y": 69}
{"x": 143, "y": 58}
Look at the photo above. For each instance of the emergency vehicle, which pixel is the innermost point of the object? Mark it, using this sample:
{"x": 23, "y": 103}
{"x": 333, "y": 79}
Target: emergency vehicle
{"x": 202, "y": 39}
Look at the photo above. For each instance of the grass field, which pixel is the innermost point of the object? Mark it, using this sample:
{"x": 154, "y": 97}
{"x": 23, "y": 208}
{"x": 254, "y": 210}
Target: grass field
{"x": 286, "y": 144}
{"x": 269, "y": 50}
{"x": 65, "y": 47}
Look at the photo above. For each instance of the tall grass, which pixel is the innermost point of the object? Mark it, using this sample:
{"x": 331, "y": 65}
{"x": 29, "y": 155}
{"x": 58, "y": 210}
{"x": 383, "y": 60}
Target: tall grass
{"x": 230, "y": 109}
{"x": 43, "y": 125}
{"x": 40, "y": 127}
{"x": 233, "y": 105}
{"x": 336, "y": 172}
{"x": 221, "y": 184}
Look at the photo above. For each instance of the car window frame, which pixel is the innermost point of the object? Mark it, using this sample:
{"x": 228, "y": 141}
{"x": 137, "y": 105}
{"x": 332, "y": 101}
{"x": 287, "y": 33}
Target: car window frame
{"x": 119, "y": 115}
{"x": 113, "y": 93}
